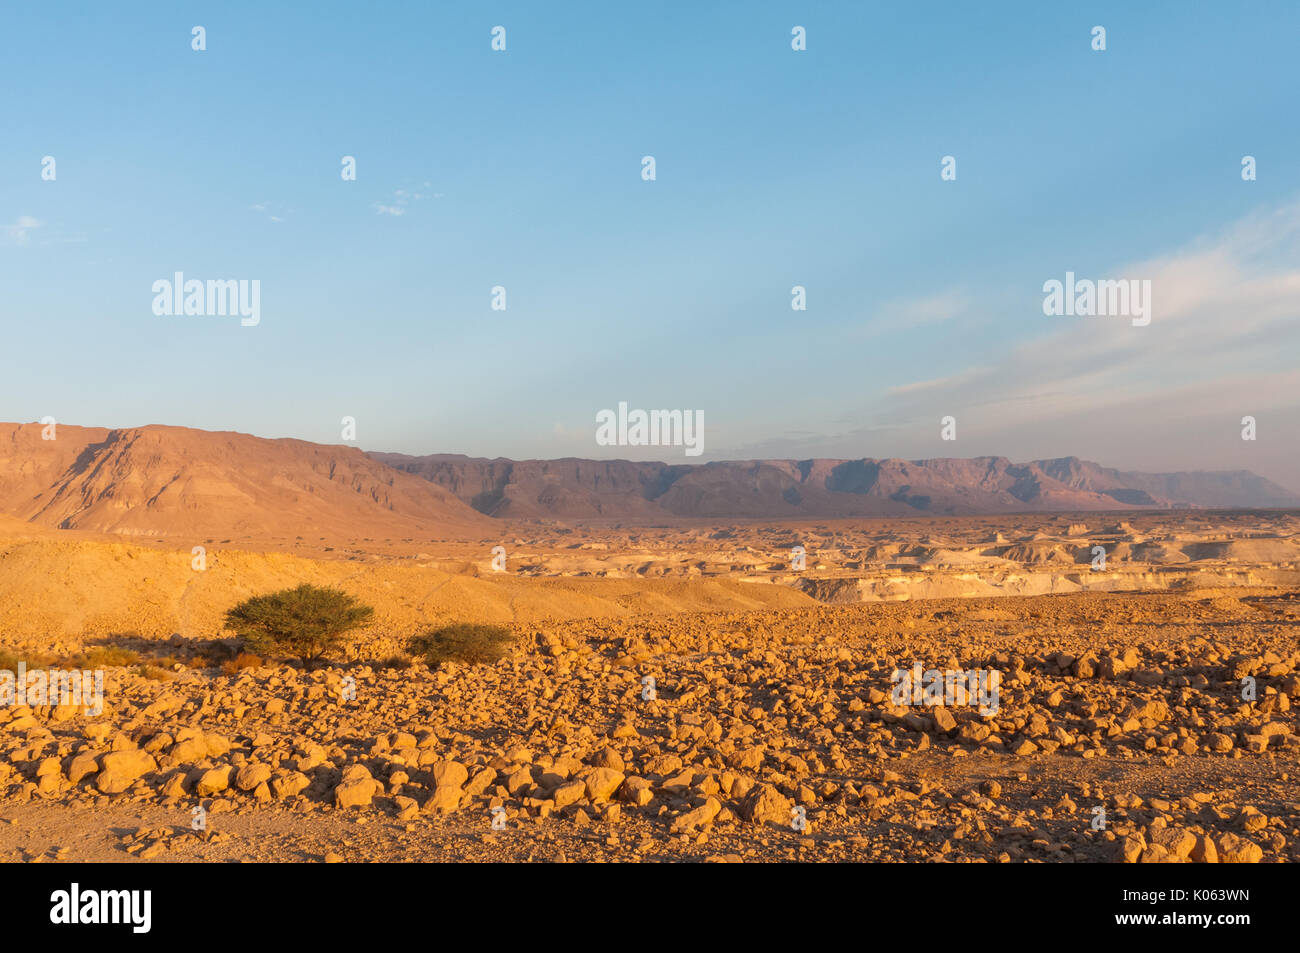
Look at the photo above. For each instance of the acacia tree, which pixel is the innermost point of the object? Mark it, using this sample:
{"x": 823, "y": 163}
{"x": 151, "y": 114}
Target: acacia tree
{"x": 306, "y": 623}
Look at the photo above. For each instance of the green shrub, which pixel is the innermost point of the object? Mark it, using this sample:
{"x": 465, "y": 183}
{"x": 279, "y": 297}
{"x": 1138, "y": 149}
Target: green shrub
{"x": 468, "y": 642}
{"x": 101, "y": 656}
{"x": 306, "y": 623}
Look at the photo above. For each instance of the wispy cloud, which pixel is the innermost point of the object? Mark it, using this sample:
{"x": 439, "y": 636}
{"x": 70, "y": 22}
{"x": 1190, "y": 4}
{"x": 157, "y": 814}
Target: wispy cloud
{"x": 403, "y": 199}
{"x": 20, "y": 231}
{"x": 1221, "y": 344}
{"x": 272, "y": 211}
{"x": 908, "y": 313}
{"x": 1221, "y": 308}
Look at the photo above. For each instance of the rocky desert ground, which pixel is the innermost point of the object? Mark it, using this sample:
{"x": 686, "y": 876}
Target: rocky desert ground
{"x": 677, "y": 693}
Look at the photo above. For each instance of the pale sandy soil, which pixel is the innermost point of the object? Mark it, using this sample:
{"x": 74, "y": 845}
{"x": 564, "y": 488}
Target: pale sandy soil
{"x": 58, "y": 589}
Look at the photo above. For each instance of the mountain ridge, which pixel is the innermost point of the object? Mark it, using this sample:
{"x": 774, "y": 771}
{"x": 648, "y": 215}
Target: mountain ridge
{"x": 578, "y": 488}
{"x": 166, "y": 481}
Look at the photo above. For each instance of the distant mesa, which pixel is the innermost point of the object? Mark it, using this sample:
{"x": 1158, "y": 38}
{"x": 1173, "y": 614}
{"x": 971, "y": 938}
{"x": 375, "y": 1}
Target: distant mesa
{"x": 574, "y": 488}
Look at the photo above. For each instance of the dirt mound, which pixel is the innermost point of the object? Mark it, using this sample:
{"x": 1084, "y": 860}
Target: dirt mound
{"x": 1247, "y": 550}
{"x": 1039, "y": 553}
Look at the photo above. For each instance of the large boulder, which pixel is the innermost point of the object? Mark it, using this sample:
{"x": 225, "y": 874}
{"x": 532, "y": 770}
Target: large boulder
{"x": 767, "y": 805}
{"x": 118, "y": 770}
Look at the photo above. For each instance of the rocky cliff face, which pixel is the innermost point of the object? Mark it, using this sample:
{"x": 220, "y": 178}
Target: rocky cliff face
{"x": 789, "y": 489}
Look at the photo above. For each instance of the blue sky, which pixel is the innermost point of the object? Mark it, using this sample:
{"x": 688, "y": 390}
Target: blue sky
{"x": 775, "y": 168}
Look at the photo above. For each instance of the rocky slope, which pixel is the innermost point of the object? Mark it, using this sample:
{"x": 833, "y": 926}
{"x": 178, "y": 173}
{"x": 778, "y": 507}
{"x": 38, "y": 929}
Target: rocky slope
{"x": 179, "y": 482}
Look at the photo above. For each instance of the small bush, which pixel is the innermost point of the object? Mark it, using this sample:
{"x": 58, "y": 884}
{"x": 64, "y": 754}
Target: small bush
{"x": 240, "y": 662}
{"x": 9, "y": 659}
{"x": 211, "y": 653}
{"x": 306, "y": 623}
{"x": 468, "y": 642}
{"x": 102, "y": 656}
{"x": 154, "y": 673}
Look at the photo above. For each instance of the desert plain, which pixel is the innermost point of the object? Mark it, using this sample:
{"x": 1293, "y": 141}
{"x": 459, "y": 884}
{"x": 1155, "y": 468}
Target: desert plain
{"x": 678, "y": 688}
